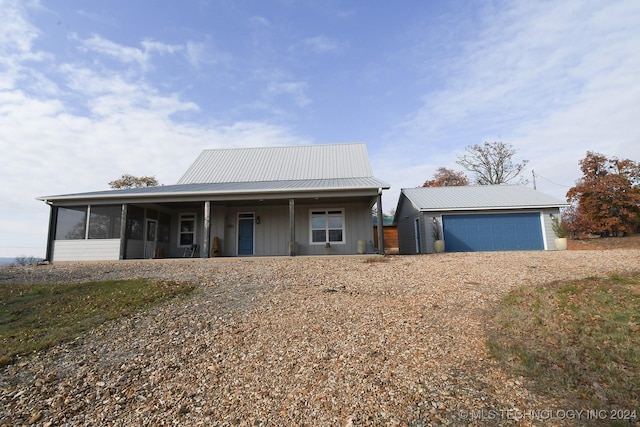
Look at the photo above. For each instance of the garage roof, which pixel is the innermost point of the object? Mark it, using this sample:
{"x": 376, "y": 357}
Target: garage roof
{"x": 479, "y": 197}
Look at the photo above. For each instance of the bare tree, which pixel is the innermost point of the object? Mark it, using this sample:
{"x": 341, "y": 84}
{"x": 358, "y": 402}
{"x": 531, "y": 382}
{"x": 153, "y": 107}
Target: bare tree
{"x": 447, "y": 178}
{"x": 492, "y": 163}
{"x": 130, "y": 181}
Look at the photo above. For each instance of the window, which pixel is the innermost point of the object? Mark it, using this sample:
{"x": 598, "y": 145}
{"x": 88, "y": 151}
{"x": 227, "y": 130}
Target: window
{"x": 104, "y": 222}
{"x": 327, "y": 226}
{"x": 187, "y": 230}
{"x": 71, "y": 223}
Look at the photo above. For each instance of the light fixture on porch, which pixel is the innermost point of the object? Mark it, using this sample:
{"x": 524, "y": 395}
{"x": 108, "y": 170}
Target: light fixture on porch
{"x": 433, "y": 218}
{"x": 257, "y": 220}
{"x": 551, "y": 216}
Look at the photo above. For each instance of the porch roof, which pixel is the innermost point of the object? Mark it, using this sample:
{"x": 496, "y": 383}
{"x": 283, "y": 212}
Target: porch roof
{"x": 233, "y": 190}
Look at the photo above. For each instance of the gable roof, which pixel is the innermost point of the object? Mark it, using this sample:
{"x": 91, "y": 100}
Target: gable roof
{"x": 309, "y": 162}
{"x": 478, "y": 197}
{"x": 248, "y": 173}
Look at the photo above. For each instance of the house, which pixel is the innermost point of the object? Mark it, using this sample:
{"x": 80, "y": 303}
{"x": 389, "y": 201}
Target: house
{"x": 276, "y": 201}
{"x": 476, "y": 218}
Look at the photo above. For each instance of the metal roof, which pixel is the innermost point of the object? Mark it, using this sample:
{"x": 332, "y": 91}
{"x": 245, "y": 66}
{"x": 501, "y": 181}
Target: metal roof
{"x": 479, "y": 197}
{"x": 235, "y": 188}
{"x": 253, "y": 171}
{"x": 309, "y": 162}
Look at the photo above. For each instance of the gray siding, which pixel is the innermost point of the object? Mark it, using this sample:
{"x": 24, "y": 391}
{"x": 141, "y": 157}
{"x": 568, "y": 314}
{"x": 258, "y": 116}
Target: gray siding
{"x": 272, "y": 234}
{"x": 406, "y": 215}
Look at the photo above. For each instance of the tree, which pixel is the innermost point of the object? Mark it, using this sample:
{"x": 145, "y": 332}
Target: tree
{"x": 492, "y": 163}
{"x": 447, "y": 178}
{"x": 607, "y": 197}
{"x": 130, "y": 181}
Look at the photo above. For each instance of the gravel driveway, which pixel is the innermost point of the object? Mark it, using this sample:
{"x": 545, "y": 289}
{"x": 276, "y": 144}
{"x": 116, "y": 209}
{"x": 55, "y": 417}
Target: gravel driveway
{"x": 303, "y": 341}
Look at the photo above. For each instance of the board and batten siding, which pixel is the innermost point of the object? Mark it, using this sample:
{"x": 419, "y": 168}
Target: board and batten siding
{"x": 86, "y": 250}
{"x": 406, "y": 228}
{"x": 358, "y": 225}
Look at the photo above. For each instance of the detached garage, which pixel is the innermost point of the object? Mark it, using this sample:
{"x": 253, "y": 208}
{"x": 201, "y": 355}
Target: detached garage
{"x": 475, "y": 218}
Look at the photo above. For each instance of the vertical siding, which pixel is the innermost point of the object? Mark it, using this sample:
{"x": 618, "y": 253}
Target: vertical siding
{"x": 358, "y": 226}
{"x": 548, "y": 236}
{"x": 406, "y": 232}
{"x": 272, "y": 234}
{"x": 86, "y": 250}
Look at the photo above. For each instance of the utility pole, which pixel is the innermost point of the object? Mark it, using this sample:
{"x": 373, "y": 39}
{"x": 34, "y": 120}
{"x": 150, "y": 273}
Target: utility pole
{"x": 534, "y": 178}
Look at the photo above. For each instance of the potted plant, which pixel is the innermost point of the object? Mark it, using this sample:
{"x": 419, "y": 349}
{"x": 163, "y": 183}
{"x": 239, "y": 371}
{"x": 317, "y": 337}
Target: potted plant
{"x": 438, "y": 243}
{"x": 560, "y": 231}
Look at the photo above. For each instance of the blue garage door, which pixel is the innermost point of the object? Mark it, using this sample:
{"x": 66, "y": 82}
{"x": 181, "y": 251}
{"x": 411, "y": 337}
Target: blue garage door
{"x": 492, "y": 232}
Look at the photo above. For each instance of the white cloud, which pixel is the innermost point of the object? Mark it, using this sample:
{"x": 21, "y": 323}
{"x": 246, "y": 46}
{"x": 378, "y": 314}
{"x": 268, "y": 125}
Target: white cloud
{"x": 125, "y": 54}
{"x": 297, "y": 90}
{"x": 322, "y": 44}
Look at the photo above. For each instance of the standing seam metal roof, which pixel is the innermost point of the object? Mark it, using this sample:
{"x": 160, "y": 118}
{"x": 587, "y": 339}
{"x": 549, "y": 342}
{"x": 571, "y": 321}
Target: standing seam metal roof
{"x": 308, "y": 162}
{"x": 479, "y": 197}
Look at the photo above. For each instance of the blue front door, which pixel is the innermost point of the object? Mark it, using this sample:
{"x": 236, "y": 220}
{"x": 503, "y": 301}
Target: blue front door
{"x": 245, "y": 234}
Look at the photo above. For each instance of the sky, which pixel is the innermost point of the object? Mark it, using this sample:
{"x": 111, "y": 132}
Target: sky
{"x": 90, "y": 90}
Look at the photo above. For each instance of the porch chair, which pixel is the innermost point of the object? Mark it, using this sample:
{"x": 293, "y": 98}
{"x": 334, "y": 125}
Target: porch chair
{"x": 190, "y": 251}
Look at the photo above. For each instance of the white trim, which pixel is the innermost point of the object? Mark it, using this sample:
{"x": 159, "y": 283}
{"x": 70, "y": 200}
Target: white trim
{"x": 544, "y": 232}
{"x": 326, "y": 212}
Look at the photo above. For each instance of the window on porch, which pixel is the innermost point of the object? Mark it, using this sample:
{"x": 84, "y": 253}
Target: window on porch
{"x": 327, "y": 226}
{"x": 187, "y": 230}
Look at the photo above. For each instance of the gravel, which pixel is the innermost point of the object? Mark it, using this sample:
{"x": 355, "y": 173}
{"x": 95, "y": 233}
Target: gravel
{"x": 297, "y": 341}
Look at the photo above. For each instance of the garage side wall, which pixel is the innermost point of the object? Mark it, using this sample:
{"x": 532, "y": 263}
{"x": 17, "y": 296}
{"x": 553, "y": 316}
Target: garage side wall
{"x": 547, "y": 228}
{"x": 407, "y": 214}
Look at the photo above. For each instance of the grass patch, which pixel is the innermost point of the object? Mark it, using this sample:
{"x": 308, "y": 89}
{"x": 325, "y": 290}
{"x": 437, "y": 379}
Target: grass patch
{"x": 36, "y": 316}
{"x": 579, "y": 340}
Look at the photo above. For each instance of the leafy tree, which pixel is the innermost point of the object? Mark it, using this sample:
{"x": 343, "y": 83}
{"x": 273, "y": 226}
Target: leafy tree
{"x": 607, "y": 196}
{"x": 447, "y": 178}
{"x": 130, "y": 181}
{"x": 492, "y": 163}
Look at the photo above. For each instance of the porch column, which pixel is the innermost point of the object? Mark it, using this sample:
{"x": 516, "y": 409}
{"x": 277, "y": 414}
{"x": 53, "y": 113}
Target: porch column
{"x": 380, "y": 225}
{"x": 53, "y": 219}
{"x": 123, "y": 231}
{"x": 206, "y": 230}
{"x": 292, "y": 228}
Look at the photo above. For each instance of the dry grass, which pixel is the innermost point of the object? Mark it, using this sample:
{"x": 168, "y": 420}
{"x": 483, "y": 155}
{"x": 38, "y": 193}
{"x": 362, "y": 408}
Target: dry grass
{"x": 578, "y": 340}
{"x": 36, "y": 316}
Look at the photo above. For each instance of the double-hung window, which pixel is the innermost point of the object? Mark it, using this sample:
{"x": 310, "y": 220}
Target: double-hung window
{"x": 187, "y": 230}
{"x": 327, "y": 226}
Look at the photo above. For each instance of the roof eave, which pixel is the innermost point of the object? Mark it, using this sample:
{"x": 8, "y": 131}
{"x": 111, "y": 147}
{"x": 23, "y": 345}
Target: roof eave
{"x": 482, "y": 208}
{"x": 243, "y": 194}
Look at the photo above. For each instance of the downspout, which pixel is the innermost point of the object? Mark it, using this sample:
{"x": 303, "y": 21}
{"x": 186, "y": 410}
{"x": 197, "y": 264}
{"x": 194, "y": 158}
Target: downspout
{"x": 53, "y": 220}
{"x": 380, "y": 224}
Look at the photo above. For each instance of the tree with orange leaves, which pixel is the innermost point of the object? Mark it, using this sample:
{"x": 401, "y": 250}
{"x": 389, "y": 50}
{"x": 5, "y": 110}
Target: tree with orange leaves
{"x": 607, "y": 198}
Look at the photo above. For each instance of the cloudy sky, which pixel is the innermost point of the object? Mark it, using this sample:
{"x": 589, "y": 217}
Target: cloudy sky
{"x": 91, "y": 90}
